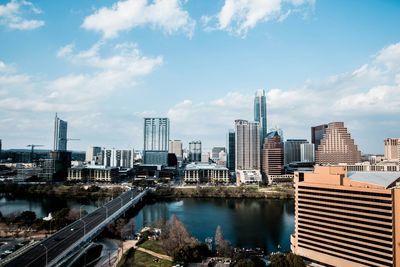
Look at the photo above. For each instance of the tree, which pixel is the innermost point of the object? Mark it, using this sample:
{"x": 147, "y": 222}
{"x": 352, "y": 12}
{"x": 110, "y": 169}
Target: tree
{"x": 288, "y": 260}
{"x": 26, "y": 217}
{"x": 175, "y": 236}
{"x": 295, "y": 260}
{"x": 222, "y": 246}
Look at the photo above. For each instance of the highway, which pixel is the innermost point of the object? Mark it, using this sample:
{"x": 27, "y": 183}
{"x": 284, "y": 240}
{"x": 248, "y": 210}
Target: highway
{"x": 51, "y": 247}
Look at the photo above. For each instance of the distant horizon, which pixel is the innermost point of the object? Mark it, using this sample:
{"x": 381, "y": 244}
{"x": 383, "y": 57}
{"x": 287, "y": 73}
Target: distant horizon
{"x": 105, "y": 65}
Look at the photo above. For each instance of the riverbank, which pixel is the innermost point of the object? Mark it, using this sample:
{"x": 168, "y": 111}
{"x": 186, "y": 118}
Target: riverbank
{"x": 223, "y": 192}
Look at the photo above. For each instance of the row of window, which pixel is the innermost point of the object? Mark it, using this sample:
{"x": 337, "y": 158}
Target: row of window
{"x": 346, "y": 197}
{"x": 351, "y": 192}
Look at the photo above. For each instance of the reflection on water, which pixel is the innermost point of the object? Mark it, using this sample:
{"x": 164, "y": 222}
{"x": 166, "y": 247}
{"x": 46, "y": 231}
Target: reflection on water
{"x": 264, "y": 223}
{"x": 41, "y": 206}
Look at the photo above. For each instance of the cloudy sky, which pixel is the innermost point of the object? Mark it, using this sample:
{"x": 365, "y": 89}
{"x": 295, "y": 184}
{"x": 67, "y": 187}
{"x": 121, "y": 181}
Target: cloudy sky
{"x": 104, "y": 64}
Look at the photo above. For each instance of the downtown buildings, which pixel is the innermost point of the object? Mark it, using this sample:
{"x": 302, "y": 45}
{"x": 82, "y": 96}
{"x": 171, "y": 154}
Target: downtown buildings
{"x": 60, "y": 134}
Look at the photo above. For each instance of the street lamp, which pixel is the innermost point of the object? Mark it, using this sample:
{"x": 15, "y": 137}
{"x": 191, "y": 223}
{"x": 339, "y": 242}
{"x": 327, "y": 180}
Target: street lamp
{"x": 84, "y": 227}
{"x": 106, "y": 211}
{"x": 46, "y": 251}
{"x": 121, "y": 201}
{"x": 80, "y": 211}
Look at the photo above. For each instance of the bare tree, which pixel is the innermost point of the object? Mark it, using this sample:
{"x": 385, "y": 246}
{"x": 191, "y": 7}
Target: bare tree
{"x": 222, "y": 246}
{"x": 175, "y": 236}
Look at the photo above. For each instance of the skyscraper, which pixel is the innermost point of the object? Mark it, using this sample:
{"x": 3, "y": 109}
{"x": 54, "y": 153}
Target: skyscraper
{"x": 392, "y": 147}
{"x": 156, "y": 137}
{"x": 272, "y": 155}
{"x": 92, "y": 153}
{"x": 195, "y": 151}
{"x": 230, "y": 144}
{"x": 337, "y": 146}
{"x": 260, "y": 113}
{"x": 175, "y": 147}
{"x": 247, "y": 145}
{"x": 60, "y": 134}
{"x": 292, "y": 150}
{"x": 317, "y": 133}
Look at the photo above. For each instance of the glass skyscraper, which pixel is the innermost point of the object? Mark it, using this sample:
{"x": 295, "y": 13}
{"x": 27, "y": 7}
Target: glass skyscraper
{"x": 156, "y": 141}
{"x": 60, "y": 134}
{"x": 260, "y": 113}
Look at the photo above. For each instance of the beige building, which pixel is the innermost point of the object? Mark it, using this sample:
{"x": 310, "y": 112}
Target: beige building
{"x": 175, "y": 147}
{"x": 347, "y": 219}
{"x": 337, "y": 146}
{"x": 206, "y": 173}
{"x": 392, "y": 147}
{"x": 247, "y": 145}
{"x": 108, "y": 175}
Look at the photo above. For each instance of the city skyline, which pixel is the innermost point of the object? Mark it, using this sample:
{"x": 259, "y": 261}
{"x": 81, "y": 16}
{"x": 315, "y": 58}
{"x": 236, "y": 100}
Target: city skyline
{"x": 205, "y": 74}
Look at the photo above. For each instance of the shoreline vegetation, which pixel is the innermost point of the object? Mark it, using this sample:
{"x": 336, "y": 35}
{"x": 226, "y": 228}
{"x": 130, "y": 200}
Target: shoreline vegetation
{"x": 93, "y": 192}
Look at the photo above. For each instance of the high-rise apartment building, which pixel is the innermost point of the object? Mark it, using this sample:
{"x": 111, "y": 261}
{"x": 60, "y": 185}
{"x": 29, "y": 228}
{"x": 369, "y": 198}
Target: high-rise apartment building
{"x": 156, "y": 141}
{"x": 272, "y": 161}
{"x": 175, "y": 147}
{"x": 392, "y": 148}
{"x": 317, "y": 133}
{"x": 195, "y": 151}
{"x": 230, "y": 145}
{"x": 347, "y": 219}
{"x": 307, "y": 152}
{"x": 92, "y": 154}
{"x": 260, "y": 113}
{"x": 118, "y": 158}
{"x": 60, "y": 134}
{"x": 292, "y": 151}
{"x": 247, "y": 145}
{"x": 337, "y": 146}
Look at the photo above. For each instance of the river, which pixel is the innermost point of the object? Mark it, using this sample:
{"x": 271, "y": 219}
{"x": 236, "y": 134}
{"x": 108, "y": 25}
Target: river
{"x": 263, "y": 223}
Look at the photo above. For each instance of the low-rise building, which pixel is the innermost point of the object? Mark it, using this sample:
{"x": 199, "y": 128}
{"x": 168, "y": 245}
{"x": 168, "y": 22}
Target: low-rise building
{"x": 80, "y": 174}
{"x": 280, "y": 179}
{"x": 248, "y": 177}
{"x": 206, "y": 173}
{"x": 383, "y": 166}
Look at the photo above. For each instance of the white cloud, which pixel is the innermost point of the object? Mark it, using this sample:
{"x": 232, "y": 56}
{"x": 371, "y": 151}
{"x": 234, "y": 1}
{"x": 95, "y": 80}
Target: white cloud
{"x": 390, "y": 56}
{"x": 11, "y": 15}
{"x": 365, "y": 99}
{"x": 239, "y": 16}
{"x": 125, "y": 15}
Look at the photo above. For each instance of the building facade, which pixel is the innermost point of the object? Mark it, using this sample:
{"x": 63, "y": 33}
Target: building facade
{"x": 347, "y": 219}
{"x": 175, "y": 147}
{"x": 195, "y": 151}
{"x": 156, "y": 141}
{"x": 118, "y": 158}
{"x": 392, "y": 148}
{"x": 272, "y": 162}
{"x": 60, "y": 134}
{"x": 337, "y": 146}
{"x": 93, "y": 153}
{"x": 247, "y": 145}
{"x": 206, "y": 173}
{"x": 215, "y": 152}
{"x": 230, "y": 145}
{"x": 317, "y": 133}
{"x": 292, "y": 151}
{"x": 260, "y": 113}
{"x": 307, "y": 152}
{"x": 107, "y": 175}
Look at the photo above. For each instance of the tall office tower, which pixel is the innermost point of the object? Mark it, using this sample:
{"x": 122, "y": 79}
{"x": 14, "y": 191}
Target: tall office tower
{"x": 347, "y": 219}
{"x": 317, "y": 133}
{"x": 230, "y": 145}
{"x": 92, "y": 154}
{"x": 215, "y": 152}
{"x": 337, "y": 146}
{"x": 260, "y": 113}
{"x": 175, "y": 147}
{"x": 156, "y": 137}
{"x": 60, "y": 134}
{"x": 307, "y": 152}
{"x": 292, "y": 150}
{"x": 195, "y": 151}
{"x": 272, "y": 155}
{"x": 247, "y": 145}
{"x": 392, "y": 147}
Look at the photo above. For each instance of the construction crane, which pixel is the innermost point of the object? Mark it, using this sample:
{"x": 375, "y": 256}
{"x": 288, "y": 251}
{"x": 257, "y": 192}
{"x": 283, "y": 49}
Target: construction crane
{"x": 32, "y": 146}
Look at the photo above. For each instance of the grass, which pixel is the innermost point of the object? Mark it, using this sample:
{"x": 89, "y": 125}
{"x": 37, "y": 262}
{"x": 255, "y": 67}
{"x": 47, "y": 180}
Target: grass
{"x": 153, "y": 245}
{"x": 141, "y": 259}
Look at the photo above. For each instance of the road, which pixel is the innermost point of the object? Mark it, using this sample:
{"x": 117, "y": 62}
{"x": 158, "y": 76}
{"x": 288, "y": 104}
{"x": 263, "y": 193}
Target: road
{"x": 50, "y": 248}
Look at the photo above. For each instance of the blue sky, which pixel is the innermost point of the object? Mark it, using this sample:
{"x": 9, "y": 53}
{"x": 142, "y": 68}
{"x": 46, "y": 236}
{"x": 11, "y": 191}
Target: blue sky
{"x": 103, "y": 65}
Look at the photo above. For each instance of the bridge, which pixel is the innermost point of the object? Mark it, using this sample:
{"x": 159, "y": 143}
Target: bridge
{"x": 59, "y": 247}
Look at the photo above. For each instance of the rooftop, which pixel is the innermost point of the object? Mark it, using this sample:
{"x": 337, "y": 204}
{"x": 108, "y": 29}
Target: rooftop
{"x": 386, "y": 179}
{"x": 204, "y": 166}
